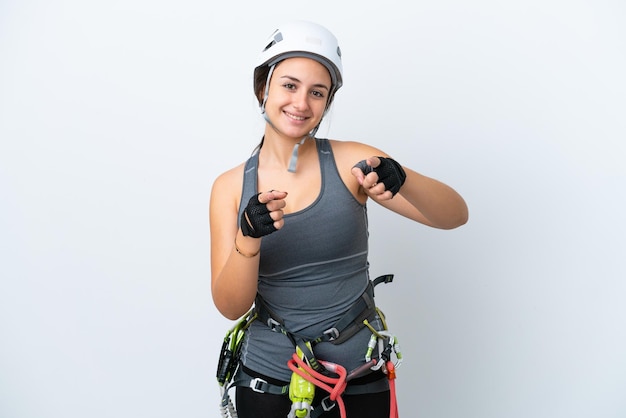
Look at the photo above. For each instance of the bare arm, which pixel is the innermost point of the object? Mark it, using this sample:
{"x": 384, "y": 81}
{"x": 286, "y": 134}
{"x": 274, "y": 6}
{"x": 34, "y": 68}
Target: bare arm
{"x": 428, "y": 201}
{"x": 235, "y": 257}
{"x": 421, "y": 198}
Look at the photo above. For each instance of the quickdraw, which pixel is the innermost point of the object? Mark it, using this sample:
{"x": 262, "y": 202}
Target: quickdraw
{"x": 229, "y": 361}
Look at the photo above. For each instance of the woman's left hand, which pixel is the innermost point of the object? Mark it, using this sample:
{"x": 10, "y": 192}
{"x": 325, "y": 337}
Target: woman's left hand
{"x": 380, "y": 177}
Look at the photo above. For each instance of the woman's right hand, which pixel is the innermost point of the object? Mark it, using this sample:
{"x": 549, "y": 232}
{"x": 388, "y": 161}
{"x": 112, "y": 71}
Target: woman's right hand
{"x": 263, "y": 214}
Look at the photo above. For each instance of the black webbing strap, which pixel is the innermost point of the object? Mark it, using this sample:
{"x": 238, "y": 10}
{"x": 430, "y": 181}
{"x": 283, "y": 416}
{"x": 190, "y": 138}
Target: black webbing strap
{"x": 352, "y": 321}
{"x": 256, "y": 384}
{"x": 260, "y": 385}
{"x": 276, "y": 324}
{"x": 347, "y": 325}
{"x": 385, "y": 278}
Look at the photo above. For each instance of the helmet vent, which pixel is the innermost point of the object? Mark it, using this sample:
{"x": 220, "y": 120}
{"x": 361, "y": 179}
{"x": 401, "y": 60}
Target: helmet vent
{"x": 277, "y": 38}
{"x": 268, "y": 46}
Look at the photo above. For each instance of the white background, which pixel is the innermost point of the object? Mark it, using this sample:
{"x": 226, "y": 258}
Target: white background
{"x": 116, "y": 116}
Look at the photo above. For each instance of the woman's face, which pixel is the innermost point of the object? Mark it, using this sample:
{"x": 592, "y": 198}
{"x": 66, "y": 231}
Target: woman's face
{"x": 298, "y": 93}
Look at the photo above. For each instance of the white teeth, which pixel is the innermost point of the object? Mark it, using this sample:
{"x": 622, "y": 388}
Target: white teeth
{"x": 294, "y": 116}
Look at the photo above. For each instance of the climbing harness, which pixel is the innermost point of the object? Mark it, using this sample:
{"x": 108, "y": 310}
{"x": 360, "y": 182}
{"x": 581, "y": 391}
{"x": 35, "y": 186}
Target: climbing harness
{"x": 309, "y": 372}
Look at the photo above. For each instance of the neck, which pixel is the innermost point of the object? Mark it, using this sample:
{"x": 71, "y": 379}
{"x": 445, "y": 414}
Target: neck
{"x": 282, "y": 152}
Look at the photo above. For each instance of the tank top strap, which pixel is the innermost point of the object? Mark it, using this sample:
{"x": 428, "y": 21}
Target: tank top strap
{"x": 323, "y": 151}
{"x": 249, "y": 187}
{"x": 328, "y": 166}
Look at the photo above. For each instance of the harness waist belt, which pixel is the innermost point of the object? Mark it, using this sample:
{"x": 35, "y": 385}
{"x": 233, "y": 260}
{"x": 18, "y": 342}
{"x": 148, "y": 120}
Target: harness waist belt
{"x": 343, "y": 329}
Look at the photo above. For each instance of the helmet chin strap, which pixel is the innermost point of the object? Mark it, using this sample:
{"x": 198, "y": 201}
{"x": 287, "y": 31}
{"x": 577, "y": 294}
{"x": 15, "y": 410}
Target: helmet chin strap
{"x": 294, "y": 154}
{"x": 293, "y": 161}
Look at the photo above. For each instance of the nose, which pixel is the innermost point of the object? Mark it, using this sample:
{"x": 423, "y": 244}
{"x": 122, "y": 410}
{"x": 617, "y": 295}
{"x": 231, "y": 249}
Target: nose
{"x": 301, "y": 100}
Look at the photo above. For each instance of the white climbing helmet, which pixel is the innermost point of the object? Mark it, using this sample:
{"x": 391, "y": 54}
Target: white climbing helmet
{"x": 303, "y": 39}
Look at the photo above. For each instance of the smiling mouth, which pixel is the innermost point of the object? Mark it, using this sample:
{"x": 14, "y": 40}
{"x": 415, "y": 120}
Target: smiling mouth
{"x": 295, "y": 117}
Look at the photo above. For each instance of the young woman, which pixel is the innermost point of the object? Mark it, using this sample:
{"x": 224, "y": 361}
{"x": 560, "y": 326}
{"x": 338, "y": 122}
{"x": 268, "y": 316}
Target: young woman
{"x": 289, "y": 231}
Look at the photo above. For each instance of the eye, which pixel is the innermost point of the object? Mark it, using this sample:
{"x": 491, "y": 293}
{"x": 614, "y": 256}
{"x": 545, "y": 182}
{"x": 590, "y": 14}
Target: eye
{"x": 318, "y": 94}
{"x": 289, "y": 86}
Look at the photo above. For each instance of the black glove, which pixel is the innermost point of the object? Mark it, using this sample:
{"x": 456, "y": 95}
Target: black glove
{"x": 390, "y": 173}
{"x": 256, "y": 220}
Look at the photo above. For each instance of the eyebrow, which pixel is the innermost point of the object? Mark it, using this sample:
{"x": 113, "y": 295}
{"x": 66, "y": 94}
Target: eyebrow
{"x": 323, "y": 86}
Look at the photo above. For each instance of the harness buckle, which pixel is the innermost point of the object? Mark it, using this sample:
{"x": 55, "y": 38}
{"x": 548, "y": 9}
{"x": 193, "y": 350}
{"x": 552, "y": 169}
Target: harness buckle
{"x": 273, "y": 324}
{"x": 257, "y": 384}
{"x": 333, "y": 333}
{"x": 327, "y": 404}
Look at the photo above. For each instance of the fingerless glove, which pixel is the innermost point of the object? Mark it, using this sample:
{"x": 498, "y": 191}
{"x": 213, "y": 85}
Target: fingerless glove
{"x": 256, "y": 220}
{"x": 390, "y": 173}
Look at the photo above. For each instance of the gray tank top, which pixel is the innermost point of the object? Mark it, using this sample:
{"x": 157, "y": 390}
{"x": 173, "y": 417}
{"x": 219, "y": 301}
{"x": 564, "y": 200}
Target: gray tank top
{"x": 311, "y": 271}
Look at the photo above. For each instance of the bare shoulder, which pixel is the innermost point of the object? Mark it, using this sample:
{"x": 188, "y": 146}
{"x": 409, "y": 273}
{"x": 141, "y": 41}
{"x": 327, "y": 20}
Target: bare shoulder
{"x": 347, "y": 154}
{"x": 226, "y": 189}
{"x": 230, "y": 177}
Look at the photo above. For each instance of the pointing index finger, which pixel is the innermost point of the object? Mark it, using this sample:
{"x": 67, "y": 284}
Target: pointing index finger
{"x": 271, "y": 195}
{"x": 373, "y": 162}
